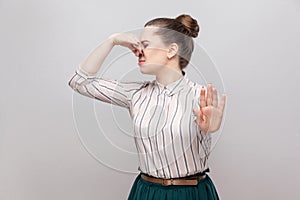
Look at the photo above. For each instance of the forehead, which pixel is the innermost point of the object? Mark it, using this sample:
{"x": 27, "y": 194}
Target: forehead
{"x": 148, "y": 33}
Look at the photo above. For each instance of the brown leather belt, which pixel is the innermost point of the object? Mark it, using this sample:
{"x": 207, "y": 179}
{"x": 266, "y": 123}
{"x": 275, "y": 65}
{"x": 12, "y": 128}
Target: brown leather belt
{"x": 193, "y": 180}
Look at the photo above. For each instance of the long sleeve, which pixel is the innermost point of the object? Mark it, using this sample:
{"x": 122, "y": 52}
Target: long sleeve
{"x": 104, "y": 89}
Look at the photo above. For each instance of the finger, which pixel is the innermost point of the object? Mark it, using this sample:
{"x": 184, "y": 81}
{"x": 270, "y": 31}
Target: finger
{"x": 136, "y": 42}
{"x": 135, "y": 46}
{"x": 202, "y": 97}
{"x": 143, "y": 52}
{"x": 138, "y": 47}
{"x": 222, "y": 105}
{"x": 209, "y": 95}
{"x": 142, "y": 48}
{"x": 135, "y": 52}
{"x": 133, "y": 49}
{"x": 215, "y": 97}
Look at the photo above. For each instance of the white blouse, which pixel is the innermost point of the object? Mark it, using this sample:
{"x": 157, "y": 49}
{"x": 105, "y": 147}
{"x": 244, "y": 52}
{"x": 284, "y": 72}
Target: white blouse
{"x": 168, "y": 140}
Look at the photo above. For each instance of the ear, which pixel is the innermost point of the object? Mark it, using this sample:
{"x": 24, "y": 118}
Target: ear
{"x": 172, "y": 51}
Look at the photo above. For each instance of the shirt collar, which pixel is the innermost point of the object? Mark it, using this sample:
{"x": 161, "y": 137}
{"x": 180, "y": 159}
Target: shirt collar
{"x": 174, "y": 87}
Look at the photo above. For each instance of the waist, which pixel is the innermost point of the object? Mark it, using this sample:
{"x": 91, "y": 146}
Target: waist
{"x": 187, "y": 180}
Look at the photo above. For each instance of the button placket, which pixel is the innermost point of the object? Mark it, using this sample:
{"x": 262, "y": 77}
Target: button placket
{"x": 166, "y": 91}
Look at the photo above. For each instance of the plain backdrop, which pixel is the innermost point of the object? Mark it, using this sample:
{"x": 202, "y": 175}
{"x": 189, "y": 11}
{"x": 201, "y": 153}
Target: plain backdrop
{"x": 254, "y": 44}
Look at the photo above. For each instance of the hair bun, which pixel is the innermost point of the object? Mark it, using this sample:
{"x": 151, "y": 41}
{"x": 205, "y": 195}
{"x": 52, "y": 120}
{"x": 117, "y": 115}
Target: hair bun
{"x": 190, "y": 24}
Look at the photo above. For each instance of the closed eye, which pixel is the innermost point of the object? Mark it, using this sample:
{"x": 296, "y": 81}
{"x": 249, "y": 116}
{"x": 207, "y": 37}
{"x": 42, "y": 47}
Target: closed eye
{"x": 144, "y": 42}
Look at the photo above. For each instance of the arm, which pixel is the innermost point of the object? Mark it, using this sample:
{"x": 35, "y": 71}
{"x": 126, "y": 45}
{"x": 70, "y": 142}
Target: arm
{"x": 92, "y": 63}
{"x": 85, "y": 82}
{"x": 103, "y": 89}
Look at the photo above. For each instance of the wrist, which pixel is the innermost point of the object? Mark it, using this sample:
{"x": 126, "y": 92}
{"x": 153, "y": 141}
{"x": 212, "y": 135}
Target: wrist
{"x": 111, "y": 39}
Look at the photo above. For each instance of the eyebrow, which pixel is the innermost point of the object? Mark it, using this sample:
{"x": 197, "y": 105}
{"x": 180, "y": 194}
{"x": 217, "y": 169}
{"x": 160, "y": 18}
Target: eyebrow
{"x": 144, "y": 41}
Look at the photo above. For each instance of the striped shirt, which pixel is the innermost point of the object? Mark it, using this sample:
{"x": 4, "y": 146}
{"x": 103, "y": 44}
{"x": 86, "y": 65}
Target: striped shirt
{"x": 168, "y": 140}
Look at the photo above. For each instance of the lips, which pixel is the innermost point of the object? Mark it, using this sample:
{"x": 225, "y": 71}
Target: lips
{"x": 141, "y": 61}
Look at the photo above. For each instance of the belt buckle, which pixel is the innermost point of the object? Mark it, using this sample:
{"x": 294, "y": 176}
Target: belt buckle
{"x": 165, "y": 182}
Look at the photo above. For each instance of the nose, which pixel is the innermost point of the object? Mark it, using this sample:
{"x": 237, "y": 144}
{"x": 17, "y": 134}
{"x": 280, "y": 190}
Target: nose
{"x": 139, "y": 53}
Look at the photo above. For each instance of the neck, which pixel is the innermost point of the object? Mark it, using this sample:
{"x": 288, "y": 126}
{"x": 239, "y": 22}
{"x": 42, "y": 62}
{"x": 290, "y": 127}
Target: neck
{"x": 168, "y": 75}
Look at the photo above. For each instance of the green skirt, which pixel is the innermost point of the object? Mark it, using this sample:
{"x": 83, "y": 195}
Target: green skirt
{"x": 145, "y": 190}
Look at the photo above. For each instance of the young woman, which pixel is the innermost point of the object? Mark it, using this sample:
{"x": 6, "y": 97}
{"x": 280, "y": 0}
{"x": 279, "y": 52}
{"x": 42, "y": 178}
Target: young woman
{"x": 173, "y": 117}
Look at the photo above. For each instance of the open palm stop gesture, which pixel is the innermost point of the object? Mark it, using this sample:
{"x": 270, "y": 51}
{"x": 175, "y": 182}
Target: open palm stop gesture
{"x": 209, "y": 116}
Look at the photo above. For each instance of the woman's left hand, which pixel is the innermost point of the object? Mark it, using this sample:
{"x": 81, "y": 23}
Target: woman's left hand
{"x": 209, "y": 116}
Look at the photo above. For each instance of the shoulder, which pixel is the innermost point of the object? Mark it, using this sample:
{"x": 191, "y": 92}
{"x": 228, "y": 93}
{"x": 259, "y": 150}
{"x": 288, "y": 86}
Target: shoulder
{"x": 133, "y": 84}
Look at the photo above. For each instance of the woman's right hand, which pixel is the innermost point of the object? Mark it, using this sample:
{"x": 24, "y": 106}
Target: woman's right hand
{"x": 128, "y": 40}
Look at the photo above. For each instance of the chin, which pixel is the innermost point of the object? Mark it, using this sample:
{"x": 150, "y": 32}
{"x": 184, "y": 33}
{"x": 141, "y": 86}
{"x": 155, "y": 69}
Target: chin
{"x": 144, "y": 71}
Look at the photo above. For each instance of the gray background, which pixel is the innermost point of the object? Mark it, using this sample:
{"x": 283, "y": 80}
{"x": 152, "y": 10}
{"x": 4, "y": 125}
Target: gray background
{"x": 255, "y": 45}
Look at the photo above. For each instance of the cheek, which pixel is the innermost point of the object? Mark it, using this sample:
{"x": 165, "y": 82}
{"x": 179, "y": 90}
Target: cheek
{"x": 154, "y": 55}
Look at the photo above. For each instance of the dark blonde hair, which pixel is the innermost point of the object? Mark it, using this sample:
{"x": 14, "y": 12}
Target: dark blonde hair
{"x": 184, "y": 24}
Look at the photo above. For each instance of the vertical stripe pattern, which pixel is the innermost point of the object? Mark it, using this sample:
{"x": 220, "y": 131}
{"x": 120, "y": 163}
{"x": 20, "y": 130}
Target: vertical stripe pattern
{"x": 167, "y": 138}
